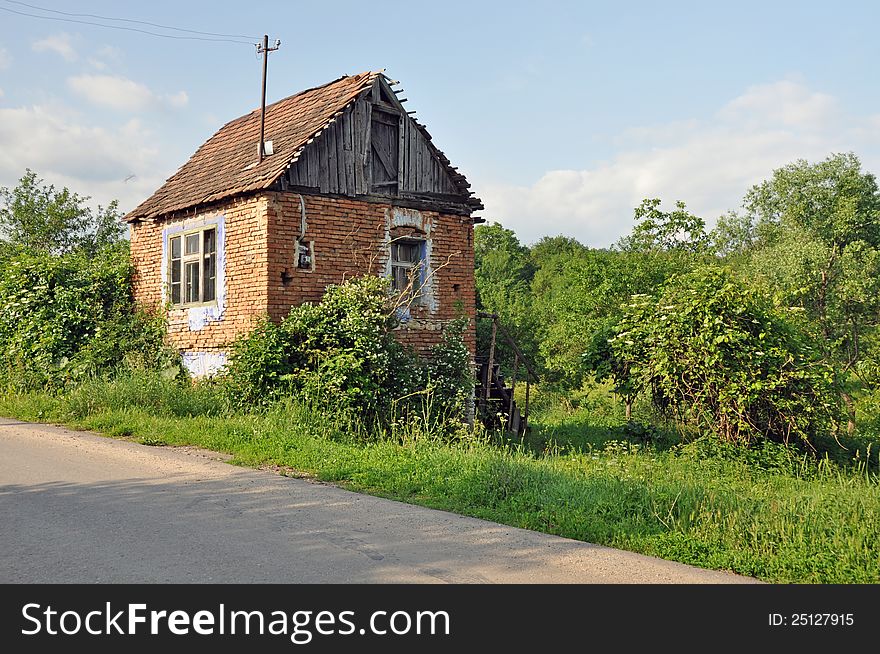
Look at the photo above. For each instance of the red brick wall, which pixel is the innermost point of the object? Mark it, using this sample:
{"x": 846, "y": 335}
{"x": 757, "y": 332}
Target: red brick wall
{"x": 245, "y": 274}
{"x": 351, "y": 238}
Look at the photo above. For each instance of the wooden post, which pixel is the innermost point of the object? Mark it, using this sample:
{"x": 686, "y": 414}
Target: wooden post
{"x": 489, "y": 366}
{"x": 512, "y": 389}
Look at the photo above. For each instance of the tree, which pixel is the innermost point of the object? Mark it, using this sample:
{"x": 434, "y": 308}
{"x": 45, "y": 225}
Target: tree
{"x": 734, "y": 235}
{"x": 818, "y": 246}
{"x": 715, "y": 353}
{"x": 660, "y": 245}
{"x": 503, "y": 273}
{"x": 40, "y": 218}
{"x": 666, "y": 231}
{"x": 551, "y": 248}
{"x": 503, "y": 267}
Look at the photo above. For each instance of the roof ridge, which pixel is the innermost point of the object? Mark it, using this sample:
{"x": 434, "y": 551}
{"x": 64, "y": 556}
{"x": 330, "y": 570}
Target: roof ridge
{"x": 370, "y": 74}
{"x": 227, "y": 165}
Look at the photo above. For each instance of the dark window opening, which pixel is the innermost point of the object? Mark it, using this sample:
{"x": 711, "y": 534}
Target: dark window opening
{"x": 407, "y": 267}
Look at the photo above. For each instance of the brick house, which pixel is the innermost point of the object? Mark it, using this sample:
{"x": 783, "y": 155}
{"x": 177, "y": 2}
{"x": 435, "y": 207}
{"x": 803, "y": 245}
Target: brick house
{"x": 350, "y": 184}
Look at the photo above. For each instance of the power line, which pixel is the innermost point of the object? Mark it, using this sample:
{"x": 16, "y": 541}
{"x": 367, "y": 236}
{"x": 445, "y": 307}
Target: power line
{"x": 127, "y": 29}
{"x": 130, "y": 20}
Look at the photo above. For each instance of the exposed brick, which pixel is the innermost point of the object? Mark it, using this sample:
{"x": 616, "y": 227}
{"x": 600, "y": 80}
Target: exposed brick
{"x": 349, "y": 240}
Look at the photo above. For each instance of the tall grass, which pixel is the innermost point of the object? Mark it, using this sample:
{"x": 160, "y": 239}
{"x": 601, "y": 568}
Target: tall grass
{"x": 780, "y": 517}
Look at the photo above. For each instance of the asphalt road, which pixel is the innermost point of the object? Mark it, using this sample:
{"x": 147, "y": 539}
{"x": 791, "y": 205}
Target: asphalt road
{"x": 76, "y": 507}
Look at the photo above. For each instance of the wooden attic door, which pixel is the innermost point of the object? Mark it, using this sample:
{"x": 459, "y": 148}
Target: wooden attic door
{"x": 385, "y": 146}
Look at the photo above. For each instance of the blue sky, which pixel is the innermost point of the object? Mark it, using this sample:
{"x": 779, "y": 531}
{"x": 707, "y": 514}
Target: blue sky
{"x": 563, "y": 115}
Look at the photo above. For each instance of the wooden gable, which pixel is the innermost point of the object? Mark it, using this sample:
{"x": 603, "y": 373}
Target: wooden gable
{"x": 375, "y": 148}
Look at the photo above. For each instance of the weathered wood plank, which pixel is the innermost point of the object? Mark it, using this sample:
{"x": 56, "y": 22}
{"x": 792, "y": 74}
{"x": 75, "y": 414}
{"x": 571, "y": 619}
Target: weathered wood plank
{"x": 366, "y": 155}
{"x": 296, "y": 176}
{"x": 417, "y": 169}
{"x": 341, "y": 159}
{"x": 332, "y": 156}
{"x": 323, "y": 158}
{"x": 312, "y": 179}
{"x": 401, "y": 150}
{"x": 359, "y": 119}
{"x": 348, "y": 151}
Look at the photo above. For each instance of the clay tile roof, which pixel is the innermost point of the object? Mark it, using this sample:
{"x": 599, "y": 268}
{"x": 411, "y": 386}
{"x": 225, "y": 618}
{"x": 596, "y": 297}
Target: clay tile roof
{"x": 226, "y": 164}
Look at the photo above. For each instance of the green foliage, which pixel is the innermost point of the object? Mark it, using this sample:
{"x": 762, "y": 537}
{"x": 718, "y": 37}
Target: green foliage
{"x": 258, "y": 366}
{"x": 447, "y": 375}
{"x": 761, "y": 511}
{"x": 503, "y": 275}
{"x": 40, "y": 218}
{"x": 733, "y": 236}
{"x": 715, "y": 353}
{"x": 339, "y": 349}
{"x": 578, "y": 298}
{"x": 818, "y": 248}
{"x": 65, "y": 318}
{"x": 666, "y": 231}
{"x": 341, "y": 354}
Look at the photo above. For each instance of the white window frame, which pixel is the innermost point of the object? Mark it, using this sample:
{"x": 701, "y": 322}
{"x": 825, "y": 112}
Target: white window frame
{"x": 206, "y": 261}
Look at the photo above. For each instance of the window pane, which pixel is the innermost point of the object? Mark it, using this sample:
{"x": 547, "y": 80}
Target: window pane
{"x": 210, "y": 242}
{"x": 209, "y": 278}
{"x": 192, "y": 282}
{"x": 410, "y": 252}
{"x": 176, "y": 270}
{"x": 399, "y": 279}
{"x": 192, "y": 243}
{"x": 209, "y": 273}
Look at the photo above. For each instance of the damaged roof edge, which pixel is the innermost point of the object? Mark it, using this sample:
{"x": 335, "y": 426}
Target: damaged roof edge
{"x": 222, "y": 167}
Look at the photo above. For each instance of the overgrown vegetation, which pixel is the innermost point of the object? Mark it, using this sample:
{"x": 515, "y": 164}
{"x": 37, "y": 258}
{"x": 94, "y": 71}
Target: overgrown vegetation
{"x": 667, "y": 312}
{"x": 765, "y": 511}
{"x": 341, "y": 356}
{"x": 708, "y": 396}
{"x": 66, "y": 307}
{"x": 711, "y": 352}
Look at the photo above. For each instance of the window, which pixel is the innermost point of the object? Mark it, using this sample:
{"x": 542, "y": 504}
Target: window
{"x": 406, "y": 266}
{"x": 193, "y": 267}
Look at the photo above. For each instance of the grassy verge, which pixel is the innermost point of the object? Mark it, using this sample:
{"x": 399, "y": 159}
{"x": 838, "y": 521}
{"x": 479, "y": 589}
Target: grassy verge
{"x": 790, "y": 521}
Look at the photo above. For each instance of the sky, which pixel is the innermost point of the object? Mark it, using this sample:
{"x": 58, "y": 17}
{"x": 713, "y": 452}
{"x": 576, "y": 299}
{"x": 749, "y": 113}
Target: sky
{"x": 562, "y": 115}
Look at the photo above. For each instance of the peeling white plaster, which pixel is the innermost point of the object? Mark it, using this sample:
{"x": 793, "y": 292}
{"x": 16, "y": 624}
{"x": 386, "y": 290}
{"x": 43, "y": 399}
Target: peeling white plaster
{"x": 199, "y": 317}
{"x": 403, "y": 217}
{"x": 204, "y": 364}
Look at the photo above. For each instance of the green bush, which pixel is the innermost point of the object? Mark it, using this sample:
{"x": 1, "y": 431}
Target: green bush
{"x": 66, "y": 318}
{"x": 714, "y": 353}
{"x": 341, "y": 354}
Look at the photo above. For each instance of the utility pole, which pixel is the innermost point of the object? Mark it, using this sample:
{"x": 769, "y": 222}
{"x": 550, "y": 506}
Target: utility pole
{"x": 264, "y": 49}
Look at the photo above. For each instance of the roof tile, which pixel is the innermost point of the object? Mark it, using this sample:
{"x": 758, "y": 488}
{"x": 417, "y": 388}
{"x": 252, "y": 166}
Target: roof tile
{"x": 227, "y": 163}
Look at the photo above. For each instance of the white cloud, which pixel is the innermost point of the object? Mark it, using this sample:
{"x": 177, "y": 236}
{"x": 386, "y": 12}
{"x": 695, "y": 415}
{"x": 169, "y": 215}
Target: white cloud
{"x": 104, "y": 57}
{"x": 122, "y": 94}
{"x": 178, "y": 100}
{"x": 61, "y": 44}
{"x": 1, "y": 93}
{"x": 709, "y": 164}
{"x": 109, "y": 52}
{"x": 5, "y": 59}
{"x": 90, "y": 160}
